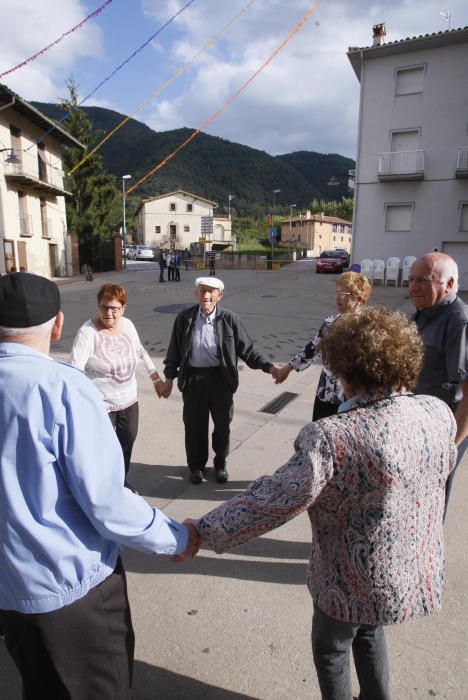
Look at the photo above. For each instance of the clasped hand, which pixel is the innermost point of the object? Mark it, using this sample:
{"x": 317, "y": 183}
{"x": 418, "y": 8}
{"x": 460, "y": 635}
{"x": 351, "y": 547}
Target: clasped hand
{"x": 193, "y": 544}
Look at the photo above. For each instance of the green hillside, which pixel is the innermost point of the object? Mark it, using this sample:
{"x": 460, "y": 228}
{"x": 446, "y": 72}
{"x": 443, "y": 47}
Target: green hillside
{"x": 213, "y": 167}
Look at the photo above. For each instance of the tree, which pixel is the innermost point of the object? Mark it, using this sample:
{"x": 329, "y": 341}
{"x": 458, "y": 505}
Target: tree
{"x": 94, "y": 211}
{"x": 342, "y": 209}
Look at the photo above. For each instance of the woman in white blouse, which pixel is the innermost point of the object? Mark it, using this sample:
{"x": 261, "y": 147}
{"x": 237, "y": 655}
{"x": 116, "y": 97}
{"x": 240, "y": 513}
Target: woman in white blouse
{"x": 108, "y": 349}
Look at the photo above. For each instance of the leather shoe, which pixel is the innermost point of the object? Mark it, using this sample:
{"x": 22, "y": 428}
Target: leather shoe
{"x": 221, "y": 476}
{"x": 196, "y": 477}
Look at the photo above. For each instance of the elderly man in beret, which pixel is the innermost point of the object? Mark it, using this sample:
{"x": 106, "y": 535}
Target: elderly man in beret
{"x": 205, "y": 345}
{"x": 65, "y": 511}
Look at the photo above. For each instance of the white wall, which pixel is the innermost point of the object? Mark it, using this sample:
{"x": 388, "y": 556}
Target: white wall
{"x": 37, "y": 247}
{"x": 440, "y": 113}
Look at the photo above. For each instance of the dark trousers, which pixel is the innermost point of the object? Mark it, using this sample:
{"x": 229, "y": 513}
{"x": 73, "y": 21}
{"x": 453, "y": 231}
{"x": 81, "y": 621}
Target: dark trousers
{"x": 125, "y": 423}
{"x": 323, "y": 409}
{"x": 177, "y": 274}
{"x": 211, "y": 266}
{"x": 331, "y": 644}
{"x": 206, "y": 394}
{"x": 449, "y": 483}
{"x": 83, "y": 651}
{"x": 170, "y": 273}
{"x": 161, "y": 272}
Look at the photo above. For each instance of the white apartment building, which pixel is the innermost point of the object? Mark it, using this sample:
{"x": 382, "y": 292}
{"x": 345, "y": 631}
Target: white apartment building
{"x": 33, "y": 226}
{"x": 180, "y": 218}
{"x": 411, "y": 187}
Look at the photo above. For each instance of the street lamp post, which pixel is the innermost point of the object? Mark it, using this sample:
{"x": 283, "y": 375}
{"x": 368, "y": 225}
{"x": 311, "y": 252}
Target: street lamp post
{"x": 291, "y": 207}
{"x": 124, "y": 228}
{"x": 275, "y": 192}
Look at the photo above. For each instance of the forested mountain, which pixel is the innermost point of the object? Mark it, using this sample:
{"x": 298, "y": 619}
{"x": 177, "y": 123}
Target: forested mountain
{"x": 213, "y": 167}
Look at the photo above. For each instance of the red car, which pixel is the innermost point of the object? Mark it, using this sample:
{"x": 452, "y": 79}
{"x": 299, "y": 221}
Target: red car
{"x": 329, "y": 261}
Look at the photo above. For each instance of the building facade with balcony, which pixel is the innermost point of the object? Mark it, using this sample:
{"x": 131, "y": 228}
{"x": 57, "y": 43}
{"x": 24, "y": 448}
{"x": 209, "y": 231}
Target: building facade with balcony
{"x": 180, "y": 220}
{"x": 33, "y": 225}
{"x": 316, "y": 232}
{"x": 411, "y": 179}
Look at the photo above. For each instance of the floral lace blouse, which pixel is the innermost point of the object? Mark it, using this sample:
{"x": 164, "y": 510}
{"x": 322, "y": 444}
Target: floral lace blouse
{"x": 329, "y": 387}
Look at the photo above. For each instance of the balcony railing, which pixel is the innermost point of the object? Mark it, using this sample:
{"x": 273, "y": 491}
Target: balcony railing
{"x": 46, "y": 177}
{"x": 401, "y": 165}
{"x": 26, "y": 225}
{"x": 46, "y": 225}
{"x": 462, "y": 162}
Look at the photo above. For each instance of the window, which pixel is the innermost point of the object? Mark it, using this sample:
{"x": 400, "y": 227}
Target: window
{"x": 334, "y": 228}
{"x": 407, "y": 140}
{"x": 189, "y": 207}
{"x": 398, "y": 217}
{"x": 186, "y": 229}
{"x": 157, "y": 229}
{"x": 464, "y": 217}
{"x": 172, "y": 206}
{"x": 409, "y": 80}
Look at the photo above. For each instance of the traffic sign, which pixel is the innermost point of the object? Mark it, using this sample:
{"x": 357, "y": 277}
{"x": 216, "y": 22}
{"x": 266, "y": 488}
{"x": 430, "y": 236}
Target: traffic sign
{"x": 272, "y": 232}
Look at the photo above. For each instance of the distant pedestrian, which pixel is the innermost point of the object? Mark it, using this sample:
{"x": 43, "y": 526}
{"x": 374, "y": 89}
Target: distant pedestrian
{"x": 87, "y": 271}
{"x": 212, "y": 262}
{"x": 170, "y": 267}
{"x": 177, "y": 266}
{"x": 186, "y": 255}
{"x": 162, "y": 265}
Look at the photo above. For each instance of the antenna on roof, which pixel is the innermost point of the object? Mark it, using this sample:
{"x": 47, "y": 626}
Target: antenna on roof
{"x": 447, "y": 16}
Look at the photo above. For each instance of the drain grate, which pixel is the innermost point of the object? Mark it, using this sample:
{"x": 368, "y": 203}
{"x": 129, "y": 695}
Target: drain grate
{"x": 279, "y": 403}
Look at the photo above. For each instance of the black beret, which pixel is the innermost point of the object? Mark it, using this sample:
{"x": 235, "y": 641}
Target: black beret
{"x": 27, "y": 300}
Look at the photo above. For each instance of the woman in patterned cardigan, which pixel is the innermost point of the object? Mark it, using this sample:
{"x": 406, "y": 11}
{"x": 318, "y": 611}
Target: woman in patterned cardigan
{"x": 372, "y": 479}
{"x": 352, "y": 290}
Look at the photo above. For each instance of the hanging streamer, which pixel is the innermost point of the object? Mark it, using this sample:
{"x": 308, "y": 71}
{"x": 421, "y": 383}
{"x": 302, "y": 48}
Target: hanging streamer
{"x": 168, "y": 82}
{"x": 140, "y": 48}
{"x": 228, "y": 101}
{"x": 57, "y": 41}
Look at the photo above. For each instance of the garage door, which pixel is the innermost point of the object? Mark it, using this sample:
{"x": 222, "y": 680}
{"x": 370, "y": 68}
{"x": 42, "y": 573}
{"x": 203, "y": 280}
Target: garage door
{"x": 459, "y": 251}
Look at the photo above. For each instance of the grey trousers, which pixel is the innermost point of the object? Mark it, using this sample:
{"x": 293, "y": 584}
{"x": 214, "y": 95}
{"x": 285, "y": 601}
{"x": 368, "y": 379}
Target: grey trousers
{"x": 331, "y": 643}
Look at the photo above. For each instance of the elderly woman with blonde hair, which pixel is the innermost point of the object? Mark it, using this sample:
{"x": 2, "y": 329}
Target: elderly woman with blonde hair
{"x": 372, "y": 479}
{"x": 352, "y": 291}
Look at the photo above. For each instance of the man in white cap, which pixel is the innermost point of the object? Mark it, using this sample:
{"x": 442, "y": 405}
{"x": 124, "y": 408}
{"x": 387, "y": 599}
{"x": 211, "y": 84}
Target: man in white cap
{"x": 65, "y": 511}
{"x": 205, "y": 345}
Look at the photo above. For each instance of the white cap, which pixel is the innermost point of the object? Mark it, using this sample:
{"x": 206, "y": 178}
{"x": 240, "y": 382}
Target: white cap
{"x": 210, "y": 282}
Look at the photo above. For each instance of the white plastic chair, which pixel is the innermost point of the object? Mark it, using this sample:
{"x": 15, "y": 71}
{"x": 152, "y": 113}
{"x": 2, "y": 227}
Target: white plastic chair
{"x": 379, "y": 271}
{"x": 392, "y": 271}
{"x": 407, "y": 262}
{"x": 367, "y": 269}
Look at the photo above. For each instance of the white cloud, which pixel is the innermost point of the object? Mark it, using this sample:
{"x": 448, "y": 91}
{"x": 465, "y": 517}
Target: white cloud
{"x": 27, "y": 27}
{"x": 307, "y": 98}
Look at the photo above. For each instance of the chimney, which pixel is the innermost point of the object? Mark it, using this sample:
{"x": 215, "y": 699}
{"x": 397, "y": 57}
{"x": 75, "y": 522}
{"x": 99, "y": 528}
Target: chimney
{"x": 378, "y": 33}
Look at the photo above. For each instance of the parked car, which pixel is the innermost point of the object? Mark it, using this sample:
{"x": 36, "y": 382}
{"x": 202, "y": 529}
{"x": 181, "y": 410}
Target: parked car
{"x": 344, "y": 254}
{"x": 329, "y": 261}
{"x": 129, "y": 250}
{"x": 142, "y": 252}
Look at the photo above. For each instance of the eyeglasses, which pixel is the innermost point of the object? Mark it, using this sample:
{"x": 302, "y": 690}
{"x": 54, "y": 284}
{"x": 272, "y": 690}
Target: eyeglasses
{"x": 343, "y": 294}
{"x": 112, "y": 309}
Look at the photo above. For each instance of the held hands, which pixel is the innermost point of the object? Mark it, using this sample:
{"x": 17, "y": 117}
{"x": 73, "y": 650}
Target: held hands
{"x": 279, "y": 374}
{"x": 163, "y": 389}
{"x": 193, "y": 544}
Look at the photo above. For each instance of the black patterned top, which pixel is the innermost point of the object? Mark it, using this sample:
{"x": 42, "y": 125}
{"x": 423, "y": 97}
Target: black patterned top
{"x": 329, "y": 388}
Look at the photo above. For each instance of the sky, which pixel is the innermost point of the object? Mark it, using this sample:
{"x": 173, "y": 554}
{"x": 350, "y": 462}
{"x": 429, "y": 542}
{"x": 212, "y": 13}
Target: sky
{"x": 305, "y": 99}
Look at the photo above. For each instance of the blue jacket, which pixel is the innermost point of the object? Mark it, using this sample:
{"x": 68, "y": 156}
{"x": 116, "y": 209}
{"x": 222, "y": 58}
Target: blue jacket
{"x": 65, "y": 511}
